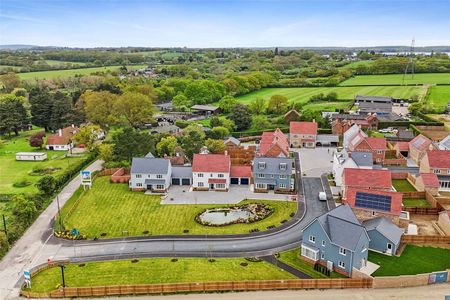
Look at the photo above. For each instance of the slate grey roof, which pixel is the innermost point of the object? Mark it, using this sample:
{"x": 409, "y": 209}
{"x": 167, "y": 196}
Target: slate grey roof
{"x": 349, "y": 116}
{"x": 149, "y": 155}
{"x": 155, "y": 181}
{"x": 405, "y": 134}
{"x": 342, "y": 227}
{"x": 145, "y": 165}
{"x": 204, "y": 107}
{"x": 233, "y": 140}
{"x": 375, "y": 107}
{"x": 272, "y": 165}
{"x": 361, "y": 98}
{"x": 181, "y": 172}
{"x": 385, "y": 227}
{"x": 445, "y": 143}
{"x": 328, "y": 138}
{"x": 362, "y": 159}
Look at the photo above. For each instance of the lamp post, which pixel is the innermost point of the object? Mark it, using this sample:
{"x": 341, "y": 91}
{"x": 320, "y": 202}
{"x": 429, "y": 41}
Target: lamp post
{"x": 62, "y": 275}
{"x": 4, "y": 228}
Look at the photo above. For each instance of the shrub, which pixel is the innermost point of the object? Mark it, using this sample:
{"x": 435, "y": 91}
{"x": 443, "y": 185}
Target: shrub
{"x": 37, "y": 139}
{"x": 47, "y": 185}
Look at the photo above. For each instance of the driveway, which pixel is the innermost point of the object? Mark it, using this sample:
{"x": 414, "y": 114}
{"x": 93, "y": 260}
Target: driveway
{"x": 315, "y": 207}
{"x": 315, "y": 162}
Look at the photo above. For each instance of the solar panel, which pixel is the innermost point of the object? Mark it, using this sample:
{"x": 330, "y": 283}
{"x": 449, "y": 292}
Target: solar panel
{"x": 373, "y": 201}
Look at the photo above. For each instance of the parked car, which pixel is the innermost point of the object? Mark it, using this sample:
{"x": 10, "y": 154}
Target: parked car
{"x": 322, "y": 196}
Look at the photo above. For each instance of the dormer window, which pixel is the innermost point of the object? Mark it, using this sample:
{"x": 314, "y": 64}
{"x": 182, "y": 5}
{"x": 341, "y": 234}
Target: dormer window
{"x": 283, "y": 166}
{"x": 261, "y": 165}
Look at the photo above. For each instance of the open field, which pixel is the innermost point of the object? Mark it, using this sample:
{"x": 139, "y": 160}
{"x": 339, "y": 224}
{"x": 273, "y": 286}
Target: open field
{"x": 113, "y": 208}
{"x": 327, "y": 106}
{"x": 292, "y": 258}
{"x": 414, "y": 260}
{"x": 157, "y": 270}
{"x": 71, "y": 72}
{"x": 12, "y": 171}
{"x": 60, "y": 62}
{"x": 344, "y": 93}
{"x": 396, "y": 79}
{"x": 402, "y": 185}
{"x": 355, "y": 64}
{"x": 437, "y": 98}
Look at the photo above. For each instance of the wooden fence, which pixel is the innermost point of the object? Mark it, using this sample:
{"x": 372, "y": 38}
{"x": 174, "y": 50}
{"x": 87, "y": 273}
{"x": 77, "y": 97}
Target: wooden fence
{"x": 201, "y": 287}
{"x": 425, "y": 239}
{"x": 422, "y": 210}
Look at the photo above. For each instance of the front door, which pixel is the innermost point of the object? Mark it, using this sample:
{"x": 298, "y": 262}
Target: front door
{"x": 389, "y": 248}
{"x": 149, "y": 187}
{"x": 211, "y": 186}
{"x": 271, "y": 187}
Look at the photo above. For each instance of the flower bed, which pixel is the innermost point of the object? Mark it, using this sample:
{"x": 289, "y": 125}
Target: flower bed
{"x": 67, "y": 234}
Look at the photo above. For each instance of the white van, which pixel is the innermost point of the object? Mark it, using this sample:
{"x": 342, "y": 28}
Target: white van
{"x": 322, "y": 196}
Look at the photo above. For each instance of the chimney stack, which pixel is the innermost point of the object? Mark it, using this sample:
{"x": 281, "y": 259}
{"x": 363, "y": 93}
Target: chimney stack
{"x": 60, "y": 132}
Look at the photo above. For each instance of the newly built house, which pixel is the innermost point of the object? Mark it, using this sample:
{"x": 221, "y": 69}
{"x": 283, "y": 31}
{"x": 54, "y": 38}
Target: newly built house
{"x": 273, "y": 173}
{"x": 211, "y": 172}
{"x": 303, "y": 134}
{"x": 150, "y": 174}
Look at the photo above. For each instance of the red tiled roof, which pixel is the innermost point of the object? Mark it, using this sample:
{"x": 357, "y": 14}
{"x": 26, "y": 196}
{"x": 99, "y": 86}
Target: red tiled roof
{"x": 217, "y": 163}
{"x": 439, "y": 159}
{"x": 429, "y": 179}
{"x": 367, "y": 178}
{"x": 376, "y": 143}
{"x": 217, "y": 180}
{"x": 66, "y": 135}
{"x": 396, "y": 198}
{"x": 403, "y": 146}
{"x": 271, "y": 139}
{"x": 420, "y": 142}
{"x": 241, "y": 171}
{"x": 303, "y": 128}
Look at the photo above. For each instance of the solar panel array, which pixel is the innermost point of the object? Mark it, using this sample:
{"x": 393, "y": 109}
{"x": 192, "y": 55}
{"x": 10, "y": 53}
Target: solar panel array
{"x": 373, "y": 201}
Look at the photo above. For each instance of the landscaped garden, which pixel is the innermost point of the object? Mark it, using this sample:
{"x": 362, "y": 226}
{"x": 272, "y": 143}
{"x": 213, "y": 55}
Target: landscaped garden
{"x": 413, "y": 260}
{"x": 292, "y": 258}
{"x": 112, "y": 210}
{"x": 403, "y": 185}
{"x": 157, "y": 270}
{"x": 420, "y": 202}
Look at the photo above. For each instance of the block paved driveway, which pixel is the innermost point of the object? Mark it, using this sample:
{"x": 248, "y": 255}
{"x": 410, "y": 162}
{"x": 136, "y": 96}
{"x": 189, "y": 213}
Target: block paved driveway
{"x": 316, "y": 161}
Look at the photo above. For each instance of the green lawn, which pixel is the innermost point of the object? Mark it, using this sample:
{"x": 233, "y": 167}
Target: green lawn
{"x": 355, "y": 64}
{"x": 402, "y": 185}
{"x": 292, "y": 258}
{"x": 408, "y": 202}
{"x": 414, "y": 260}
{"x": 157, "y": 270}
{"x": 327, "y": 106}
{"x": 71, "y": 72}
{"x": 344, "y": 93}
{"x": 437, "y": 98}
{"x": 396, "y": 79}
{"x": 12, "y": 171}
{"x": 113, "y": 208}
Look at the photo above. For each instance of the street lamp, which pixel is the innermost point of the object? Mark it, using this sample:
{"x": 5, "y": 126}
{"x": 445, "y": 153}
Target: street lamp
{"x": 62, "y": 274}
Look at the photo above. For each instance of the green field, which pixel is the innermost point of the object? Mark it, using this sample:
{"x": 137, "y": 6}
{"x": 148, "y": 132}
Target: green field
{"x": 157, "y": 270}
{"x": 402, "y": 185}
{"x": 396, "y": 79}
{"x": 437, "y": 98}
{"x": 12, "y": 171}
{"x": 413, "y": 260}
{"x": 327, "y": 106}
{"x": 71, "y": 72}
{"x": 113, "y": 208}
{"x": 344, "y": 93}
{"x": 355, "y": 64}
{"x": 292, "y": 258}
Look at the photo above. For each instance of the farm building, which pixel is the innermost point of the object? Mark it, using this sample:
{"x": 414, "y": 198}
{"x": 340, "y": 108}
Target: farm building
{"x": 31, "y": 156}
{"x": 374, "y": 104}
{"x": 205, "y": 109}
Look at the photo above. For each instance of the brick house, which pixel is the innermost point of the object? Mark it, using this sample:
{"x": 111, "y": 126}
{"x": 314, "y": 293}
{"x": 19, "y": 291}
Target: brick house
{"x": 291, "y": 116}
{"x": 372, "y": 179}
{"x": 274, "y": 144}
{"x": 342, "y": 122}
{"x": 427, "y": 182}
{"x": 418, "y": 146}
{"x": 377, "y": 146}
{"x": 437, "y": 162}
{"x": 303, "y": 134}
{"x": 211, "y": 172}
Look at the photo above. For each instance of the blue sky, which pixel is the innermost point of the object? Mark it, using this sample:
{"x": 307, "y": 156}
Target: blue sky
{"x": 93, "y": 23}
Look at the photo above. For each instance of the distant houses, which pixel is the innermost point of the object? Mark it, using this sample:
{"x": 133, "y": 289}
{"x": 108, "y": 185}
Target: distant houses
{"x": 374, "y": 104}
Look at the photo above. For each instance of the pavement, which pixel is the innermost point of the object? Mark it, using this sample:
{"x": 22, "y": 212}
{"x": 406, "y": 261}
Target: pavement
{"x": 315, "y": 161}
{"x": 272, "y": 260}
{"x": 33, "y": 246}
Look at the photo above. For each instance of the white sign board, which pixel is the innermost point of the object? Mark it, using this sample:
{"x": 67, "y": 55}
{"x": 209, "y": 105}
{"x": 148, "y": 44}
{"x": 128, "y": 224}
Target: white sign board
{"x": 86, "y": 178}
{"x": 27, "y": 278}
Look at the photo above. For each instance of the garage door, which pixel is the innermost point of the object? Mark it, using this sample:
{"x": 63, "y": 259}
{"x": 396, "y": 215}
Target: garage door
{"x": 176, "y": 181}
{"x": 234, "y": 180}
{"x": 186, "y": 181}
{"x": 244, "y": 181}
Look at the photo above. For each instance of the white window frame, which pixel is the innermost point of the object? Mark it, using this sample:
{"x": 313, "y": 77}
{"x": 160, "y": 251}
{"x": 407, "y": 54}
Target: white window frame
{"x": 282, "y": 185}
{"x": 282, "y": 176}
{"x": 139, "y": 184}
{"x": 220, "y": 175}
{"x": 261, "y": 186}
{"x": 220, "y": 186}
{"x": 310, "y": 253}
{"x": 322, "y": 256}
{"x": 324, "y": 243}
{"x": 312, "y": 239}
{"x": 342, "y": 251}
{"x": 159, "y": 176}
{"x": 200, "y": 175}
{"x": 160, "y": 186}
{"x": 437, "y": 171}
{"x": 261, "y": 165}
{"x": 283, "y": 166}
{"x": 379, "y": 151}
{"x": 200, "y": 184}
{"x": 341, "y": 264}
{"x": 138, "y": 175}
{"x": 261, "y": 175}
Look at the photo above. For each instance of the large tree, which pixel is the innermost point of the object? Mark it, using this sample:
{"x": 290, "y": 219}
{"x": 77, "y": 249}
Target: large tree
{"x": 130, "y": 143}
{"x": 41, "y": 107}
{"x": 167, "y": 146}
{"x": 62, "y": 111}
{"x": 134, "y": 109}
{"x": 241, "y": 116}
{"x": 88, "y": 135}
{"x": 227, "y": 103}
{"x": 192, "y": 140}
{"x": 9, "y": 81}
{"x": 13, "y": 115}
{"x": 215, "y": 146}
{"x": 278, "y": 104}
{"x": 99, "y": 107}
{"x": 258, "y": 106}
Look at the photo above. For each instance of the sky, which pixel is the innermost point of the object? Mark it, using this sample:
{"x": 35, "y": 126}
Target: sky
{"x": 245, "y": 23}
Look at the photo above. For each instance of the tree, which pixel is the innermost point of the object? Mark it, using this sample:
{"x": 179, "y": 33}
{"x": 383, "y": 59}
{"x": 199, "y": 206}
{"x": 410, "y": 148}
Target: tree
{"x": 47, "y": 185}
{"x": 215, "y": 146}
{"x": 180, "y": 101}
{"x": 134, "y": 108}
{"x": 24, "y": 209}
{"x": 13, "y": 115}
{"x": 130, "y": 143}
{"x": 227, "y": 103}
{"x": 219, "y": 132}
{"x": 41, "y": 107}
{"x": 214, "y": 121}
{"x": 258, "y": 106}
{"x": 37, "y": 140}
{"x": 167, "y": 146}
{"x": 192, "y": 140}
{"x": 105, "y": 151}
{"x": 99, "y": 107}
{"x": 241, "y": 116}
{"x": 278, "y": 104}
{"x": 88, "y": 135}
{"x": 260, "y": 122}
{"x": 61, "y": 111}
{"x": 9, "y": 81}
{"x": 228, "y": 124}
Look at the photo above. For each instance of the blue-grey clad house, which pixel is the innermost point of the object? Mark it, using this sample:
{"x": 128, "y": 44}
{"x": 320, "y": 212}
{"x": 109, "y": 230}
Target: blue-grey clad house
{"x": 384, "y": 235}
{"x": 336, "y": 240}
{"x": 273, "y": 173}
{"x": 151, "y": 174}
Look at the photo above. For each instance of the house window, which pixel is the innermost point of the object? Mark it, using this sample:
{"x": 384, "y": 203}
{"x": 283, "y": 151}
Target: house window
{"x": 138, "y": 175}
{"x": 220, "y": 175}
{"x": 159, "y": 176}
{"x": 220, "y": 185}
{"x": 261, "y": 186}
{"x": 322, "y": 256}
{"x": 295, "y": 136}
{"x": 272, "y": 176}
{"x": 341, "y": 264}
{"x": 200, "y": 175}
{"x": 312, "y": 239}
{"x": 138, "y": 184}
{"x": 283, "y": 166}
{"x": 211, "y": 175}
{"x": 437, "y": 171}
{"x": 160, "y": 186}
{"x": 260, "y": 175}
{"x": 200, "y": 184}
{"x": 261, "y": 165}
{"x": 281, "y": 185}
{"x": 342, "y": 251}
{"x": 282, "y": 176}
{"x": 323, "y": 243}
{"x": 310, "y": 253}
{"x": 379, "y": 151}
{"x": 378, "y": 159}
{"x": 373, "y": 213}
